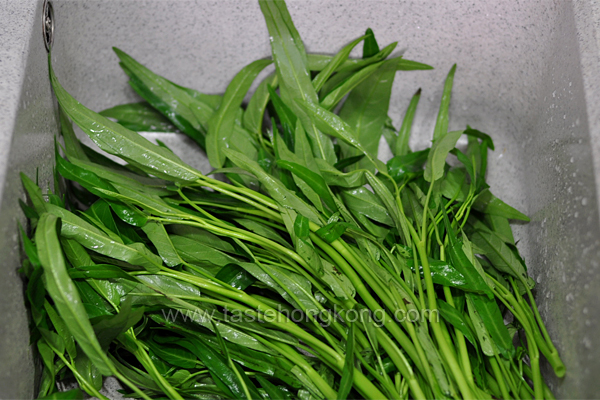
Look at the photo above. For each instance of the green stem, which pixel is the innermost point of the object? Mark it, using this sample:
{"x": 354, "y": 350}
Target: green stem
{"x": 462, "y": 344}
{"x": 80, "y": 379}
{"x": 435, "y": 324}
{"x": 534, "y": 355}
{"x": 335, "y": 251}
{"x": 547, "y": 346}
{"x": 499, "y": 378}
{"x": 146, "y": 361}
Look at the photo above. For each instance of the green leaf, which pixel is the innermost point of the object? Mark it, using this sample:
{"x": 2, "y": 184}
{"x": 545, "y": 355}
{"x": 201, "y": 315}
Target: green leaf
{"x": 441, "y": 124}
{"x": 47, "y": 383}
{"x": 186, "y": 111}
{"x": 263, "y": 230}
{"x": 409, "y": 65}
{"x": 337, "y": 281}
{"x": 302, "y": 157}
{"x": 236, "y": 276}
{"x": 346, "y": 162}
{"x": 175, "y": 355}
{"x": 88, "y": 371}
{"x": 370, "y": 47}
{"x": 290, "y": 60}
{"x": 288, "y": 284}
{"x": 127, "y": 214}
{"x": 402, "y": 148}
{"x": 93, "y": 302}
{"x": 274, "y": 392}
{"x": 366, "y": 110}
{"x": 485, "y": 138}
{"x": 487, "y": 203}
{"x": 435, "y": 360}
{"x": 286, "y": 117}
{"x": 191, "y": 250}
{"x": 436, "y": 159}
{"x": 219, "y": 368}
{"x": 351, "y": 66}
{"x": 47, "y": 355}
{"x": 454, "y": 185}
{"x": 390, "y": 203}
{"x": 30, "y": 248}
{"x": 29, "y": 212}
{"x": 144, "y": 293}
{"x": 92, "y": 238}
{"x": 160, "y": 239}
{"x": 301, "y": 227}
{"x": 333, "y": 125}
{"x": 136, "y": 376}
{"x": 500, "y": 226}
{"x": 202, "y": 236}
{"x": 461, "y": 262}
{"x": 146, "y": 201}
{"x": 446, "y": 274}
{"x": 221, "y": 124}
{"x": 492, "y": 318}
{"x": 101, "y": 216}
{"x": 332, "y": 231}
{"x": 110, "y": 327}
{"x": 362, "y": 201}
{"x": 64, "y": 293}
{"x": 335, "y": 63}
{"x": 284, "y": 197}
{"x": 73, "y": 148}
{"x": 124, "y": 177}
{"x": 407, "y": 166}
{"x": 254, "y": 113}
{"x": 117, "y": 140}
{"x": 332, "y": 98}
{"x": 334, "y": 177}
{"x": 314, "y": 180}
{"x": 35, "y": 194}
{"x": 487, "y": 345}
{"x": 499, "y": 254}
{"x": 139, "y": 117}
{"x": 348, "y": 371}
{"x": 456, "y": 319}
{"x": 62, "y": 330}
{"x": 411, "y": 205}
{"x": 99, "y": 271}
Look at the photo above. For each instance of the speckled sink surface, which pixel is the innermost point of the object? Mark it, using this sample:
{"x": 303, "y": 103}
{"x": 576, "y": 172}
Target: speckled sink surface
{"x": 528, "y": 74}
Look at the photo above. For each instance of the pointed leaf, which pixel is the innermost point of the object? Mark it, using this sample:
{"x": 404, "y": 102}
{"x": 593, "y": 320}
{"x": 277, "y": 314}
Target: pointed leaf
{"x": 92, "y": 238}
{"x": 64, "y": 293}
{"x": 441, "y": 124}
{"x": 139, "y": 117}
{"x": 436, "y": 159}
{"x": 222, "y": 122}
{"x": 402, "y": 147}
{"x": 115, "y": 139}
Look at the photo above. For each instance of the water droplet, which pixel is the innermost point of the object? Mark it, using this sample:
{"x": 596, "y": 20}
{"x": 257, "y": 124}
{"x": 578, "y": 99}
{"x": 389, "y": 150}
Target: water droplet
{"x": 584, "y": 201}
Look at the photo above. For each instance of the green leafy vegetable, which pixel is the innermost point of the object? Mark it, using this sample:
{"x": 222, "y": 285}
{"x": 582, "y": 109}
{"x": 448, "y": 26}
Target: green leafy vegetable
{"x": 302, "y": 266}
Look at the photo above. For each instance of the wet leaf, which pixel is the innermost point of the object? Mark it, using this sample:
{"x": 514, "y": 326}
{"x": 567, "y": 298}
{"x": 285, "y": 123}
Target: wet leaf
{"x": 64, "y": 293}
{"x": 139, "y": 117}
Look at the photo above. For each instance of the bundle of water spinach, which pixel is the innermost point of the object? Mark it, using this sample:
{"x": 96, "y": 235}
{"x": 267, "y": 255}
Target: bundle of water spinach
{"x": 314, "y": 271}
